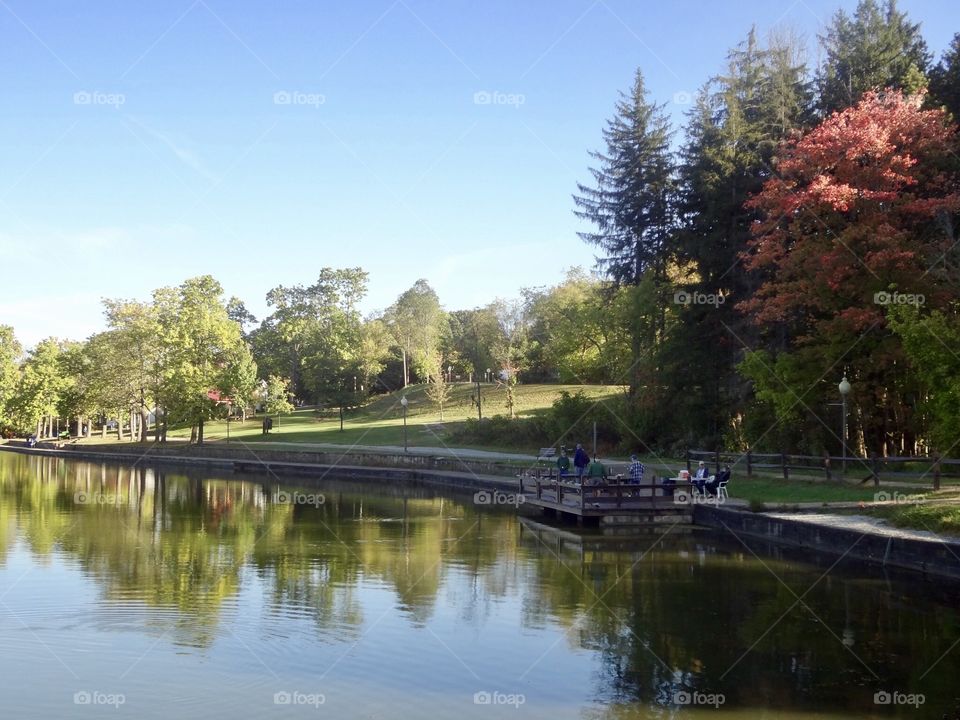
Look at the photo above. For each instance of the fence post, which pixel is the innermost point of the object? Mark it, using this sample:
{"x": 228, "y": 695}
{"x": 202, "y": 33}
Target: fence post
{"x": 749, "y": 463}
{"x": 936, "y": 470}
{"x": 826, "y": 464}
{"x": 783, "y": 464}
{"x": 874, "y": 469}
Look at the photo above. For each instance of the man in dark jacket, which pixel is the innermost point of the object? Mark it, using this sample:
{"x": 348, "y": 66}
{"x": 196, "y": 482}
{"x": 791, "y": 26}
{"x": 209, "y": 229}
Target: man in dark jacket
{"x": 580, "y": 461}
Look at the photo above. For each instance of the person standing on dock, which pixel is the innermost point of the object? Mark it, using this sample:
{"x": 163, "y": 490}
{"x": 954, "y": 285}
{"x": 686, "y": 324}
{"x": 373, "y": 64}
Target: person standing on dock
{"x": 580, "y": 461}
{"x": 563, "y": 464}
{"x": 636, "y": 470}
{"x": 597, "y": 475}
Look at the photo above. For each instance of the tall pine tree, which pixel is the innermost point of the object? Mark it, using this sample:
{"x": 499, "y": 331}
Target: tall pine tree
{"x": 630, "y": 204}
{"x": 877, "y": 48}
{"x": 732, "y": 135}
{"x": 945, "y": 80}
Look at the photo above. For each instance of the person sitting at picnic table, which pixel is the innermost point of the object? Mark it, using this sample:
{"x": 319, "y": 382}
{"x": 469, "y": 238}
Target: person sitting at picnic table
{"x": 636, "y": 470}
{"x": 700, "y": 477}
{"x": 563, "y": 463}
{"x": 580, "y": 461}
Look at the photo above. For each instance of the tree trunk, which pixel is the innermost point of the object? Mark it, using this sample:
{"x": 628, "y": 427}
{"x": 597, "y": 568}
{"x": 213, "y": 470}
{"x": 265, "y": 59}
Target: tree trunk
{"x": 200, "y": 432}
{"x": 406, "y": 377}
{"x": 39, "y": 433}
{"x": 144, "y": 423}
{"x": 341, "y": 418}
{"x": 193, "y": 434}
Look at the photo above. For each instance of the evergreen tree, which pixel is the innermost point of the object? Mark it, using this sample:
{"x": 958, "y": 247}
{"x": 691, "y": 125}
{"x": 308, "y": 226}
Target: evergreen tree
{"x": 876, "y": 49}
{"x": 630, "y": 203}
{"x": 945, "y": 79}
{"x": 733, "y": 133}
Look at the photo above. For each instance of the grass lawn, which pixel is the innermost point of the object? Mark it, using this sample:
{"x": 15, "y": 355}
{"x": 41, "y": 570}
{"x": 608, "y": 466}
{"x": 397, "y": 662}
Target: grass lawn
{"x": 777, "y": 491}
{"x": 380, "y": 422}
{"x": 940, "y": 516}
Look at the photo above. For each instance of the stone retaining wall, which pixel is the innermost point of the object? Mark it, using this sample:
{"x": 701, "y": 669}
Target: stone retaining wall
{"x": 937, "y": 557}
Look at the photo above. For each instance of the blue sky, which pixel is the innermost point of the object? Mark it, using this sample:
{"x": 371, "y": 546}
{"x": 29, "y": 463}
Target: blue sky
{"x": 147, "y": 142}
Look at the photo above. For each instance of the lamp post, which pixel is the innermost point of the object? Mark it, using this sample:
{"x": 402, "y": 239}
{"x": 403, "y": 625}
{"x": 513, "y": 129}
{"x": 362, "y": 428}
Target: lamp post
{"x": 404, "y": 402}
{"x": 449, "y": 373}
{"x": 844, "y": 388}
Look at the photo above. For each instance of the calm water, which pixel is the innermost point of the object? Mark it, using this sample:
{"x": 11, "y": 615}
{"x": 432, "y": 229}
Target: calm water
{"x": 147, "y": 593}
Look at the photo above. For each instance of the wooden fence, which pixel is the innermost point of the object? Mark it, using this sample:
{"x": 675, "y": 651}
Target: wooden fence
{"x": 907, "y": 469}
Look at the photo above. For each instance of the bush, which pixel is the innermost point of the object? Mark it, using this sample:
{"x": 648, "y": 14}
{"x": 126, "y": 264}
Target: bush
{"x": 500, "y": 430}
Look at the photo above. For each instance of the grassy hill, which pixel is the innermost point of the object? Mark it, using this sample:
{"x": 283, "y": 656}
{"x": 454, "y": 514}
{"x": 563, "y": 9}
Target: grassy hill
{"x": 380, "y": 422}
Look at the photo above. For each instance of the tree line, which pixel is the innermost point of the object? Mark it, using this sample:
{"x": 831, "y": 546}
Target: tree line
{"x": 802, "y": 227}
{"x": 190, "y": 354}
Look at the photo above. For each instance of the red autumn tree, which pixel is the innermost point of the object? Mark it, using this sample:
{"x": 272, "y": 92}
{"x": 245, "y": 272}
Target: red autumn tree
{"x": 858, "y": 216}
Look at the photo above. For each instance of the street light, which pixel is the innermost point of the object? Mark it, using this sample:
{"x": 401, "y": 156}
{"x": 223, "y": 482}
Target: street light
{"x": 844, "y": 388}
{"x": 404, "y": 402}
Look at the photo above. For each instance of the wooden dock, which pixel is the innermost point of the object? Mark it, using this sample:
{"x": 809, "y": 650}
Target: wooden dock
{"x": 615, "y": 503}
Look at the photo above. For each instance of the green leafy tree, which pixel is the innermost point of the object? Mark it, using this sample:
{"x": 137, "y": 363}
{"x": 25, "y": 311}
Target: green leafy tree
{"x": 473, "y": 334}
{"x": 276, "y": 395}
{"x": 438, "y": 389}
{"x": 284, "y": 339}
{"x": 10, "y": 352}
{"x": 416, "y": 322}
{"x": 204, "y": 348}
{"x": 38, "y": 393}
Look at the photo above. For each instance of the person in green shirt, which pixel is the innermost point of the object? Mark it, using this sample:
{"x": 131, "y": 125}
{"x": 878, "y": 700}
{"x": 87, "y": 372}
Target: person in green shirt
{"x": 597, "y": 472}
{"x": 596, "y": 476}
{"x": 563, "y": 464}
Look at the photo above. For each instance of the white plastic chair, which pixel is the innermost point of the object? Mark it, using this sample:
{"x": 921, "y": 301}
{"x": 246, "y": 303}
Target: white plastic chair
{"x": 722, "y": 491}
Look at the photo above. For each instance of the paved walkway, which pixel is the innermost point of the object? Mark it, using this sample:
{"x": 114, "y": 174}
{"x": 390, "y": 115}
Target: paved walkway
{"x": 864, "y": 524}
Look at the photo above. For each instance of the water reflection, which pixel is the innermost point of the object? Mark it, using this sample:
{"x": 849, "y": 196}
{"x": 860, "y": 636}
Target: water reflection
{"x": 390, "y": 598}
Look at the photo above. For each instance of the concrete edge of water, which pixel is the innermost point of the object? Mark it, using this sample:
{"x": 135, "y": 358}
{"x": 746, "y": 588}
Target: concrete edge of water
{"x": 930, "y": 556}
{"x": 277, "y": 464}
{"x": 933, "y": 556}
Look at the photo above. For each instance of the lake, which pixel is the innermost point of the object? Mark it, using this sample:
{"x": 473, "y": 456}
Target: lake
{"x": 149, "y": 593}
